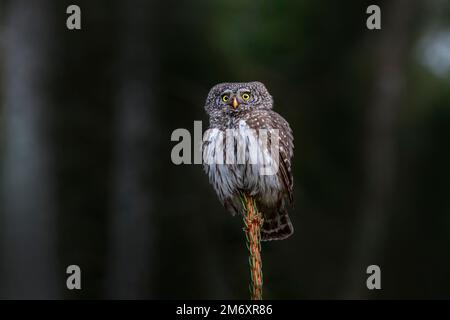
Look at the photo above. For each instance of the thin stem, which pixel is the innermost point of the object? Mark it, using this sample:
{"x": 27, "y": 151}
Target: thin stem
{"x": 253, "y": 223}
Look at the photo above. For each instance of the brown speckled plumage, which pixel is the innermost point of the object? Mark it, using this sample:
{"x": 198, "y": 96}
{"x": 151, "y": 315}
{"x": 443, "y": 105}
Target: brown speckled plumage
{"x": 273, "y": 193}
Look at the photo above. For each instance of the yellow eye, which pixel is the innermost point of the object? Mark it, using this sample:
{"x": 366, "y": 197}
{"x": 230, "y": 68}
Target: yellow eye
{"x": 225, "y": 98}
{"x": 246, "y": 96}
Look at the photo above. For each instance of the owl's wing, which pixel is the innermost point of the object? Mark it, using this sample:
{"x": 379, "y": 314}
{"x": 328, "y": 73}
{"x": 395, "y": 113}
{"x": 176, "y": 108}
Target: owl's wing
{"x": 268, "y": 119}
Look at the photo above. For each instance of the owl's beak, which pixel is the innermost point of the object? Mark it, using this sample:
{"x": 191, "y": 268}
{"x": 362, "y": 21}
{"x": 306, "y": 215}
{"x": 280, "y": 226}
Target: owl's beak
{"x": 235, "y": 103}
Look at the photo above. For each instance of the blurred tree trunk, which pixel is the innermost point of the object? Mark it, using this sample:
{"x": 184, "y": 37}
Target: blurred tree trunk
{"x": 29, "y": 263}
{"x": 390, "y": 54}
{"x": 131, "y": 230}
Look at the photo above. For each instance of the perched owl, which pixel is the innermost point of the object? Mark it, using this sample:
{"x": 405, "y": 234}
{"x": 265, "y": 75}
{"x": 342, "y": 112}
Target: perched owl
{"x": 244, "y": 110}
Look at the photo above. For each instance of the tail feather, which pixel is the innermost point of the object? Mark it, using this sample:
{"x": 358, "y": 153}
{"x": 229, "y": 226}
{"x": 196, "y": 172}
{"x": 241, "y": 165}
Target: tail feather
{"x": 277, "y": 224}
{"x": 278, "y": 227}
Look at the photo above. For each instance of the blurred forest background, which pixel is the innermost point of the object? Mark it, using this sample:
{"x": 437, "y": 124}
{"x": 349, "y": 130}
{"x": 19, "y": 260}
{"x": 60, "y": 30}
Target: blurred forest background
{"x": 85, "y": 124}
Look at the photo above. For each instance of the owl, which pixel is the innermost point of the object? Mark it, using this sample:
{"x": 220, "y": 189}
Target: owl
{"x": 239, "y": 115}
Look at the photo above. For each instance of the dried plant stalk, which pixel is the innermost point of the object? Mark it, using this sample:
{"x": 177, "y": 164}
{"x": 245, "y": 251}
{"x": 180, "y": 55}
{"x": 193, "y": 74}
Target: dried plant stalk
{"x": 253, "y": 223}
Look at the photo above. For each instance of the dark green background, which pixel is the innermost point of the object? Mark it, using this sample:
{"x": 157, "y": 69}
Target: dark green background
{"x": 86, "y": 118}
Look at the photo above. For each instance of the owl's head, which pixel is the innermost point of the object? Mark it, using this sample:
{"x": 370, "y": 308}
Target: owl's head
{"x": 235, "y": 97}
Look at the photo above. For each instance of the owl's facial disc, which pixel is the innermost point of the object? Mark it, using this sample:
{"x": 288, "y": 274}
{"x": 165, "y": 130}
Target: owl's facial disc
{"x": 230, "y": 99}
{"x": 235, "y": 98}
